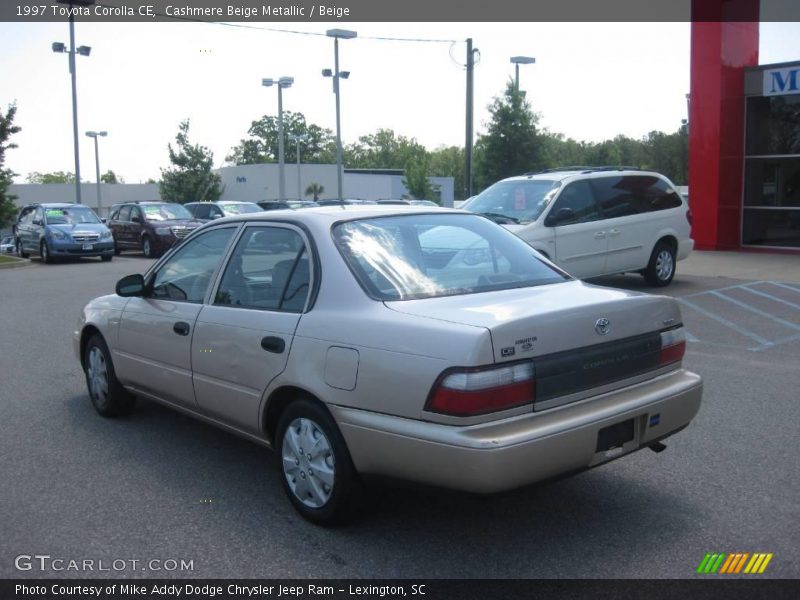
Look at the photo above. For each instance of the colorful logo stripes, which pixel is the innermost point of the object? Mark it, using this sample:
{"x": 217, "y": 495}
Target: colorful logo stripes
{"x": 738, "y": 562}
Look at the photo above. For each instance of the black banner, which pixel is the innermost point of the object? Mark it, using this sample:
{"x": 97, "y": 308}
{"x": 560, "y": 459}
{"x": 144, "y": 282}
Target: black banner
{"x": 437, "y": 589}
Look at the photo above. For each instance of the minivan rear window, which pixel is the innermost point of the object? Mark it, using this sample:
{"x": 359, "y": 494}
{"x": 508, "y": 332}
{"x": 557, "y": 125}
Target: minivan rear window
{"x": 633, "y": 194}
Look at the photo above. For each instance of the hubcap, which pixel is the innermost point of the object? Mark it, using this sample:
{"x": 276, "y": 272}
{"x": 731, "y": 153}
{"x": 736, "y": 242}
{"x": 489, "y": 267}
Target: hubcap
{"x": 308, "y": 463}
{"x": 44, "y": 251}
{"x": 664, "y": 265}
{"x": 146, "y": 247}
{"x": 97, "y": 376}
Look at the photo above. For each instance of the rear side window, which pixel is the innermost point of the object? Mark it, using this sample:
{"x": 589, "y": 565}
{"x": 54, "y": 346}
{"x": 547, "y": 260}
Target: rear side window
{"x": 617, "y": 196}
{"x": 659, "y": 196}
{"x": 125, "y": 213}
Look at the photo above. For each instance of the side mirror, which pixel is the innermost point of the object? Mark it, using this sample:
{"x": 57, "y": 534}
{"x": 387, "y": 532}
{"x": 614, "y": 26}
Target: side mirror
{"x": 130, "y": 285}
{"x": 562, "y": 216}
{"x": 104, "y": 220}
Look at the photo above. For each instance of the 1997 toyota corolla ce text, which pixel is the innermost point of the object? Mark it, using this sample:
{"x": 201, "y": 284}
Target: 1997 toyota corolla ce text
{"x": 426, "y": 345}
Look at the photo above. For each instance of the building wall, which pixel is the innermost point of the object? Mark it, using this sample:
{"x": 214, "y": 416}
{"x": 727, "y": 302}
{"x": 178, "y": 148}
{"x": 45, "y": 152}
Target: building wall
{"x": 110, "y": 193}
{"x": 254, "y": 183}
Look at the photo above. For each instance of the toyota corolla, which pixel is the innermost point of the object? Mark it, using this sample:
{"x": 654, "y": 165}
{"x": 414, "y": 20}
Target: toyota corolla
{"x": 424, "y": 345}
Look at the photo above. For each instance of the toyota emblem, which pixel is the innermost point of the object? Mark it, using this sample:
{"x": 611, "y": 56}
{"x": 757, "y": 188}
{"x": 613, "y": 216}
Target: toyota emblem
{"x": 602, "y": 326}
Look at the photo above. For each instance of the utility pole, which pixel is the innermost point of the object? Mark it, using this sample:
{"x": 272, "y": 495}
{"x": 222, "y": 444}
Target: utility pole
{"x": 468, "y": 144}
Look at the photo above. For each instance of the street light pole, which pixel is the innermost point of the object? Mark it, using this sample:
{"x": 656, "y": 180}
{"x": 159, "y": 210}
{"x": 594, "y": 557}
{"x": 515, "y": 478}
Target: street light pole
{"x": 517, "y": 61}
{"x": 283, "y": 82}
{"x": 95, "y": 135}
{"x": 83, "y": 51}
{"x": 347, "y": 35}
{"x": 297, "y": 139}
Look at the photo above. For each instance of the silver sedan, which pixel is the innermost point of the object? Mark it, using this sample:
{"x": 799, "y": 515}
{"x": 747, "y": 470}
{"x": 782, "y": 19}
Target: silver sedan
{"x": 406, "y": 342}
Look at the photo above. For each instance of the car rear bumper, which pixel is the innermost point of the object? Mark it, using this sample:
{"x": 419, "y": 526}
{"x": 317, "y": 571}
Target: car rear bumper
{"x": 517, "y": 451}
{"x": 685, "y": 248}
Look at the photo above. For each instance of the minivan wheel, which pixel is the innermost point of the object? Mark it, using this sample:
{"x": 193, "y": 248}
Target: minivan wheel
{"x": 108, "y": 396}
{"x": 147, "y": 247}
{"x": 318, "y": 475}
{"x": 661, "y": 268}
{"x": 20, "y": 252}
{"x": 44, "y": 252}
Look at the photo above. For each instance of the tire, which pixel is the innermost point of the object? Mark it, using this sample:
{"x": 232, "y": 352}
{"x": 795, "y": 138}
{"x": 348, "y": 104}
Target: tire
{"x": 106, "y": 257}
{"x": 147, "y": 247}
{"x": 108, "y": 396}
{"x": 661, "y": 268}
{"x": 20, "y": 252}
{"x": 326, "y": 489}
{"x": 44, "y": 252}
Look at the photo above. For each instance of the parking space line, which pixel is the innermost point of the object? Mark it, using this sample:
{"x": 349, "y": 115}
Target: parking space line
{"x": 757, "y": 311}
{"x": 722, "y": 289}
{"x": 753, "y": 336}
{"x": 783, "y": 285}
{"x": 791, "y": 338}
{"x": 689, "y": 336}
{"x": 771, "y": 297}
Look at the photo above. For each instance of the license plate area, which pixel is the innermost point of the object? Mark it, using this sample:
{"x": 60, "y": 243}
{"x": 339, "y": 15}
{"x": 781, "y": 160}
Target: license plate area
{"x": 88, "y": 246}
{"x": 615, "y": 436}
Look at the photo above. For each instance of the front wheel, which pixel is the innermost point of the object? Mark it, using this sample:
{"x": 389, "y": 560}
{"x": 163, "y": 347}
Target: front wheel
{"x": 44, "y": 252}
{"x": 661, "y": 268}
{"x": 147, "y": 248}
{"x": 108, "y": 396}
{"x": 318, "y": 474}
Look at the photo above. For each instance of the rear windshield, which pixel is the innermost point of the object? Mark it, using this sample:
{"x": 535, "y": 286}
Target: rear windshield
{"x": 406, "y": 257}
{"x": 240, "y": 208}
{"x": 515, "y": 201}
{"x": 70, "y": 215}
{"x": 165, "y": 212}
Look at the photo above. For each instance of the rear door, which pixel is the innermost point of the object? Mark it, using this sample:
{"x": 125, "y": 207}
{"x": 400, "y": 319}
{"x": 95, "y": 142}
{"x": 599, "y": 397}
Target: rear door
{"x": 155, "y": 333}
{"x": 120, "y": 227}
{"x": 243, "y": 336}
{"x": 581, "y": 242}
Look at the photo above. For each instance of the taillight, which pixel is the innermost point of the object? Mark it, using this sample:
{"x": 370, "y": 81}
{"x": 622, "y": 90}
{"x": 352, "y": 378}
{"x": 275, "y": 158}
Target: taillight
{"x": 689, "y": 216}
{"x": 673, "y": 346}
{"x": 476, "y": 391}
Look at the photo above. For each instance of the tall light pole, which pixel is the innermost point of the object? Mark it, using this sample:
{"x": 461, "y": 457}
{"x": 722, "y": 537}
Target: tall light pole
{"x": 517, "y": 61}
{"x": 297, "y": 139}
{"x": 95, "y": 135}
{"x": 344, "y": 34}
{"x": 72, "y": 51}
{"x": 281, "y": 83}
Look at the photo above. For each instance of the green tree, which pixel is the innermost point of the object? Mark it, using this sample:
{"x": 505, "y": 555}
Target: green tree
{"x": 449, "y": 162}
{"x": 512, "y": 145}
{"x": 315, "y": 189}
{"x": 262, "y": 144}
{"x": 111, "y": 177}
{"x": 191, "y": 178}
{"x": 416, "y": 179}
{"x": 7, "y": 128}
{"x": 383, "y": 150}
{"x": 54, "y": 177}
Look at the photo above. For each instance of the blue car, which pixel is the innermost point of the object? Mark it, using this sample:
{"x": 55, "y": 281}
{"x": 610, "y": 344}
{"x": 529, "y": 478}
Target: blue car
{"x": 56, "y": 230}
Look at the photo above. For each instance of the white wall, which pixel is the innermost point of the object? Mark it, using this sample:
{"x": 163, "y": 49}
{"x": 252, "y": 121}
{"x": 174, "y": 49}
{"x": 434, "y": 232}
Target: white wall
{"x": 253, "y": 183}
{"x": 110, "y": 193}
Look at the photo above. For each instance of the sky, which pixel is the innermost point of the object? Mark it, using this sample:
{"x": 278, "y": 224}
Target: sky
{"x": 591, "y": 81}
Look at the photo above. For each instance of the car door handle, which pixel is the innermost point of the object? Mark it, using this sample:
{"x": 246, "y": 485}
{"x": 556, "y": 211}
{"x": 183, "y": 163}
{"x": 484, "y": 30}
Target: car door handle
{"x": 273, "y": 344}
{"x": 613, "y": 232}
{"x": 181, "y": 328}
{"x": 599, "y": 235}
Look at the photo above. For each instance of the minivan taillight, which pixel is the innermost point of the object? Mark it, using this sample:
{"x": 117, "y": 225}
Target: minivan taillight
{"x": 673, "y": 346}
{"x": 476, "y": 391}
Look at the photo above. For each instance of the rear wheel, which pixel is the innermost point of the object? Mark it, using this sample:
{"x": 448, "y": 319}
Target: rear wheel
{"x": 318, "y": 474}
{"x": 661, "y": 268}
{"x": 108, "y": 396}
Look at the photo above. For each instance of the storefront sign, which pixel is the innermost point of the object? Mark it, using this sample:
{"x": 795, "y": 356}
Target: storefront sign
{"x": 779, "y": 82}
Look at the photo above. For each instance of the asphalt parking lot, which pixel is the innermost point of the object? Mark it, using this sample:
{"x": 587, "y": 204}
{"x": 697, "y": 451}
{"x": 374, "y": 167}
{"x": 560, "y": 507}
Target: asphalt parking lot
{"x": 161, "y": 486}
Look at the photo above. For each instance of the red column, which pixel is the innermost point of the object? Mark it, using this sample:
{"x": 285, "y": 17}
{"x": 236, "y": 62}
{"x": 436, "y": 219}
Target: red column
{"x": 721, "y": 49}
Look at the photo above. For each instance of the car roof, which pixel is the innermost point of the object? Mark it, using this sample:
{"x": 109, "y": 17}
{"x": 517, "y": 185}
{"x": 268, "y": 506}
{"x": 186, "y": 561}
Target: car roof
{"x": 55, "y": 204}
{"x": 564, "y": 173}
{"x": 343, "y": 212}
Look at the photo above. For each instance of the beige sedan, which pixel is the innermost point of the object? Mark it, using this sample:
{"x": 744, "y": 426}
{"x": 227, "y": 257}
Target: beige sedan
{"x": 406, "y": 342}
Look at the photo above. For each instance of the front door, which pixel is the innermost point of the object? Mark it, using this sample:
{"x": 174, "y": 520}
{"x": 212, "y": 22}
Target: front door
{"x": 242, "y": 338}
{"x": 155, "y": 333}
{"x": 581, "y": 240}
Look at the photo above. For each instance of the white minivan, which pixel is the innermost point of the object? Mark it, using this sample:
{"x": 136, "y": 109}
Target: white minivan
{"x": 594, "y": 221}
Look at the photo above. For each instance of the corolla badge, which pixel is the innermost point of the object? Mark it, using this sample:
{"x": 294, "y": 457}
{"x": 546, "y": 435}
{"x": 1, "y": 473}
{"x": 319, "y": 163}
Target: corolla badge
{"x": 602, "y": 326}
